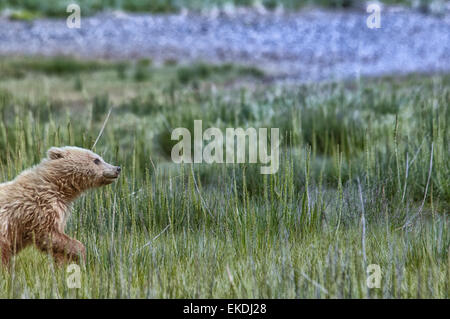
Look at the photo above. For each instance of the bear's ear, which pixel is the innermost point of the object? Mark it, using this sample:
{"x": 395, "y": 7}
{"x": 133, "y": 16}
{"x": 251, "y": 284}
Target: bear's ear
{"x": 55, "y": 153}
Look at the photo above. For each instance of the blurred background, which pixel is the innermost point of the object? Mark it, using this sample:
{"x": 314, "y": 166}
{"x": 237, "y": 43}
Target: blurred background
{"x": 291, "y": 40}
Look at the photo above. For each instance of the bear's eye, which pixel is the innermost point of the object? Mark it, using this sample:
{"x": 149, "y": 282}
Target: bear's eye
{"x": 97, "y": 161}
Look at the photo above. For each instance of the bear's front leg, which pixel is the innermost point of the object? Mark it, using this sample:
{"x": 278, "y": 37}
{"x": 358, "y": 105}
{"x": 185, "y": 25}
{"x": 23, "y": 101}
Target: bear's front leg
{"x": 5, "y": 253}
{"x": 63, "y": 248}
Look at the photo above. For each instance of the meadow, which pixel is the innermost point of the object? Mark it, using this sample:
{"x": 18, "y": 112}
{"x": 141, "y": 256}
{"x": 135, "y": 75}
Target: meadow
{"x": 363, "y": 179}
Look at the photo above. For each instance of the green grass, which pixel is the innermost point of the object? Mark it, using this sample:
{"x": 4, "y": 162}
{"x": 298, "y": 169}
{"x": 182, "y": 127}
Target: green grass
{"x": 18, "y": 67}
{"x": 27, "y": 9}
{"x": 239, "y": 234}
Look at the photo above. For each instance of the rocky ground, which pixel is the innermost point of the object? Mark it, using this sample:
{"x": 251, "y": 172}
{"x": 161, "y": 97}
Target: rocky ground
{"x": 309, "y": 45}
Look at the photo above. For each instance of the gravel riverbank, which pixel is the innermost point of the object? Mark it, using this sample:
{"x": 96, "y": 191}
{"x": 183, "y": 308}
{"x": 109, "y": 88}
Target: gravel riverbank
{"x": 309, "y": 45}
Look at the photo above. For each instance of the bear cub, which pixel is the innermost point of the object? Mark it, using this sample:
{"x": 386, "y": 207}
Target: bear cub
{"x": 35, "y": 206}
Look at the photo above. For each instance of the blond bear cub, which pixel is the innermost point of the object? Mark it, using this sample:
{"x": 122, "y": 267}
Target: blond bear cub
{"x": 35, "y": 206}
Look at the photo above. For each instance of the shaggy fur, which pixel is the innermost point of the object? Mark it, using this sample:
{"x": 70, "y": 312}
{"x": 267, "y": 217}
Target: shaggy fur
{"x": 35, "y": 206}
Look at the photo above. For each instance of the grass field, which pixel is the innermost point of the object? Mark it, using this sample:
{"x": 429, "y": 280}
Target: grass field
{"x": 363, "y": 179}
{"x": 29, "y": 9}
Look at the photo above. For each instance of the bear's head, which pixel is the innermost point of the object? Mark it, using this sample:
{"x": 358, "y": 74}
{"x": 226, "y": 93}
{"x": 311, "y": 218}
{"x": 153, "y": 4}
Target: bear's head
{"x": 78, "y": 168}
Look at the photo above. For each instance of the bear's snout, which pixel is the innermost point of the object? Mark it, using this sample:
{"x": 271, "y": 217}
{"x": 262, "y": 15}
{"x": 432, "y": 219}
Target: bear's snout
{"x": 118, "y": 169}
{"x": 113, "y": 172}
